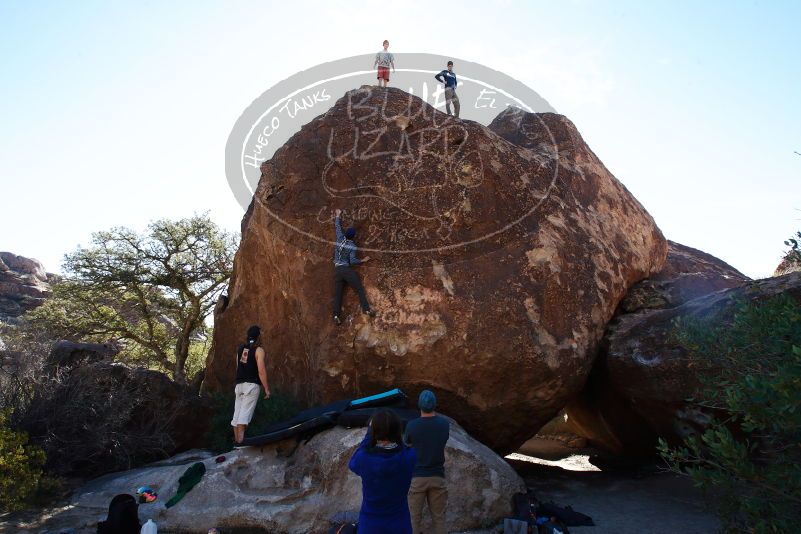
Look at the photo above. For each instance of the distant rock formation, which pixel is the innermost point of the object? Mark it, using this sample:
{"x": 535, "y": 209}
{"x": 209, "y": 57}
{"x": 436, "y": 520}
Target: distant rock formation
{"x": 499, "y": 255}
{"x": 23, "y": 285}
{"x": 290, "y": 488}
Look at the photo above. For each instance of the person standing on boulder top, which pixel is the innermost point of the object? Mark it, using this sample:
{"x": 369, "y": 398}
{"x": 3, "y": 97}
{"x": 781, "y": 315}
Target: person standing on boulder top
{"x": 448, "y": 77}
{"x": 384, "y": 60}
{"x": 251, "y": 370}
{"x": 428, "y": 435}
{"x": 344, "y": 259}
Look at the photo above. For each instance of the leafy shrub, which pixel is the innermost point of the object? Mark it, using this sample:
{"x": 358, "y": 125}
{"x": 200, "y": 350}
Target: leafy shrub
{"x": 20, "y": 466}
{"x": 749, "y": 459}
{"x": 106, "y": 417}
{"x": 92, "y": 418}
{"x": 279, "y": 407}
{"x": 23, "y": 354}
{"x": 793, "y": 255}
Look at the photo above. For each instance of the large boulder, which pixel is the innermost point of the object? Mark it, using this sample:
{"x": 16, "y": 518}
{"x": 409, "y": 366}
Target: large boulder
{"x": 295, "y": 489}
{"x": 498, "y": 256}
{"x": 601, "y": 413}
{"x": 688, "y": 273}
{"x": 643, "y": 378}
{"x": 23, "y": 285}
{"x": 66, "y": 354}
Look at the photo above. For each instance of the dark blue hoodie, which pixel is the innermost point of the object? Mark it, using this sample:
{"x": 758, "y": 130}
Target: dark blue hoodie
{"x": 386, "y": 476}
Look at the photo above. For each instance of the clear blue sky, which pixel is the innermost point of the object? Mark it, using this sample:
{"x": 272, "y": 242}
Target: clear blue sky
{"x": 117, "y": 113}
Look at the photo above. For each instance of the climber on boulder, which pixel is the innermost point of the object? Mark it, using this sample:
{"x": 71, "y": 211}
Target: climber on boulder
{"x": 344, "y": 259}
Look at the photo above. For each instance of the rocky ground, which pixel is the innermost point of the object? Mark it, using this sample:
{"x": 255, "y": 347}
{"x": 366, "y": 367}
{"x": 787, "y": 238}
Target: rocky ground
{"x": 621, "y": 497}
{"x": 282, "y": 487}
{"x": 625, "y": 500}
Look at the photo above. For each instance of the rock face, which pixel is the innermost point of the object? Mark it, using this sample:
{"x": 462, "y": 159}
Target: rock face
{"x": 603, "y": 414}
{"x": 23, "y": 285}
{"x": 639, "y": 389}
{"x": 283, "y": 489}
{"x": 498, "y": 256}
{"x": 688, "y": 273}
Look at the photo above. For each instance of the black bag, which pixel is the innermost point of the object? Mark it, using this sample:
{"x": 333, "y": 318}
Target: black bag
{"x": 566, "y": 515}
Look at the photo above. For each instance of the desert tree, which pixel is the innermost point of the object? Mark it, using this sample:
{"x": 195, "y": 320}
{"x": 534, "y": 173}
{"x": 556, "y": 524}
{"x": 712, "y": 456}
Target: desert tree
{"x": 152, "y": 292}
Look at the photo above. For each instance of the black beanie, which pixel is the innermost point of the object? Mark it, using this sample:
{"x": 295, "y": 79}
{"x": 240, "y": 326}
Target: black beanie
{"x": 253, "y": 333}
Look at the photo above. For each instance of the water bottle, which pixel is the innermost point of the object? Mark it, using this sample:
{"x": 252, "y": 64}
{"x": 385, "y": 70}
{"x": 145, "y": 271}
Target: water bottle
{"x": 149, "y": 528}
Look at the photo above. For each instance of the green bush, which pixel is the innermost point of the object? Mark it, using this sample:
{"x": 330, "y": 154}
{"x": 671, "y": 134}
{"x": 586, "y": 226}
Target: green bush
{"x": 279, "y": 407}
{"x": 20, "y": 466}
{"x": 794, "y": 254}
{"x": 749, "y": 459}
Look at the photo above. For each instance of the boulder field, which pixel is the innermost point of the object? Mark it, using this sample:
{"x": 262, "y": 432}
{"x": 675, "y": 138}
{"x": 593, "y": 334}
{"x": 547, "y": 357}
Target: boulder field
{"x": 498, "y": 256}
{"x": 296, "y": 488}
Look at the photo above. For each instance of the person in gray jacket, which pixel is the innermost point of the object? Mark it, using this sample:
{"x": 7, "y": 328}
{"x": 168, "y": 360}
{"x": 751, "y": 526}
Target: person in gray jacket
{"x": 344, "y": 260}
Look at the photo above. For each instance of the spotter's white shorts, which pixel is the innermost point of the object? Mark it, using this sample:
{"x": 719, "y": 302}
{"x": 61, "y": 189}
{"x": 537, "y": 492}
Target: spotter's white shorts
{"x": 247, "y": 395}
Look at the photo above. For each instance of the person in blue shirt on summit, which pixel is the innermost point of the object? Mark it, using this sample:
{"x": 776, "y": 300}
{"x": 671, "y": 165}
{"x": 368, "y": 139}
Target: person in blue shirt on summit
{"x": 448, "y": 77}
{"x": 385, "y": 466}
{"x": 344, "y": 259}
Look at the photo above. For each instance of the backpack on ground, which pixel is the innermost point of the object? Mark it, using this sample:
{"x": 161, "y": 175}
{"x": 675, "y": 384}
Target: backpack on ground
{"x": 566, "y": 515}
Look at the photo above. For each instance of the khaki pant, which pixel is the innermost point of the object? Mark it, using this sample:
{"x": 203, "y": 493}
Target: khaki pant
{"x": 433, "y": 490}
{"x": 450, "y": 97}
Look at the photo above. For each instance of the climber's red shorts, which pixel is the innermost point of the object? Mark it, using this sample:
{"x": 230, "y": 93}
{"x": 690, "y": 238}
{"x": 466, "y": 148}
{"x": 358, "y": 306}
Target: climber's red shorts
{"x": 383, "y": 73}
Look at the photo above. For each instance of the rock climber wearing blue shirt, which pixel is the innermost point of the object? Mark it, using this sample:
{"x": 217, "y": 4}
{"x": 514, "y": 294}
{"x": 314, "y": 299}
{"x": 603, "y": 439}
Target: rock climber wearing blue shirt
{"x": 385, "y": 466}
{"x": 448, "y": 77}
{"x": 344, "y": 258}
